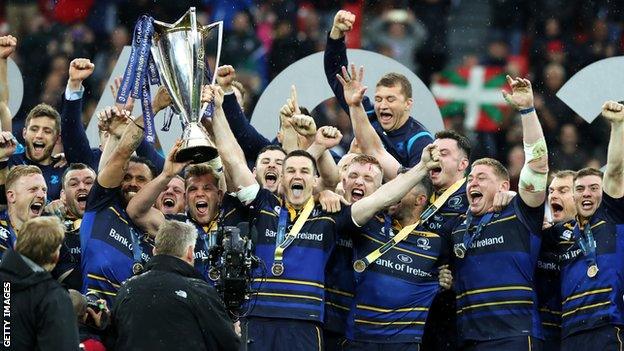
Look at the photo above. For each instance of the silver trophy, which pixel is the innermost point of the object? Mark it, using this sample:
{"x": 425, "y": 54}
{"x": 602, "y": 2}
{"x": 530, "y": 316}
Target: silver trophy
{"x": 178, "y": 51}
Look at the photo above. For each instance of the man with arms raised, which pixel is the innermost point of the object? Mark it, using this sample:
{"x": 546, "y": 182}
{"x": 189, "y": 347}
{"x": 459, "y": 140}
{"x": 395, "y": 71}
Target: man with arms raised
{"x": 402, "y": 135}
{"x": 496, "y": 252}
{"x": 288, "y": 308}
{"x": 592, "y": 251}
{"x": 111, "y": 246}
{"x": 204, "y": 199}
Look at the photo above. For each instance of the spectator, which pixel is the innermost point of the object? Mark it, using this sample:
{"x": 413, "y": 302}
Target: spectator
{"x": 568, "y": 155}
{"x": 40, "y": 309}
{"x": 195, "y": 316}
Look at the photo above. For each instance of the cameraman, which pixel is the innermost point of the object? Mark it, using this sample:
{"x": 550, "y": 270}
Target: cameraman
{"x": 40, "y": 312}
{"x": 170, "y": 306}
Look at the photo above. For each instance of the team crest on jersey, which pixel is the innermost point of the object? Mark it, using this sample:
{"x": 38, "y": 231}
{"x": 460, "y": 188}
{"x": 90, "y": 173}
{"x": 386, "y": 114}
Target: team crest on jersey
{"x": 423, "y": 243}
{"x": 404, "y": 258}
{"x": 566, "y": 235}
{"x": 455, "y": 202}
{"x": 4, "y": 233}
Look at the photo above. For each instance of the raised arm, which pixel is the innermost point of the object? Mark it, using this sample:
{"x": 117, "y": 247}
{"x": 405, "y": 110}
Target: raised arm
{"x": 112, "y": 173}
{"x": 250, "y": 141}
{"x": 394, "y": 190}
{"x": 141, "y": 207}
{"x": 326, "y": 138}
{"x": 613, "y": 181}
{"x": 7, "y": 47}
{"x": 231, "y": 153}
{"x": 534, "y": 174}
{"x": 73, "y": 135}
{"x": 335, "y": 56}
{"x": 368, "y": 139}
{"x": 8, "y": 144}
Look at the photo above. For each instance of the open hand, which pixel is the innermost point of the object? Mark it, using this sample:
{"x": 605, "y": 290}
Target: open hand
{"x": 352, "y": 84}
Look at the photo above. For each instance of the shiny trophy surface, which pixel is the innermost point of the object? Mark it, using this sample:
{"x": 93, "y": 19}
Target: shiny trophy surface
{"x": 178, "y": 50}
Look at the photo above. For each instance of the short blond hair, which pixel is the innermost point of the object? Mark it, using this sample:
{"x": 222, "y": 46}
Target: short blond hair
{"x": 40, "y": 238}
{"x": 174, "y": 237}
{"x": 20, "y": 171}
{"x": 499, "y": 170}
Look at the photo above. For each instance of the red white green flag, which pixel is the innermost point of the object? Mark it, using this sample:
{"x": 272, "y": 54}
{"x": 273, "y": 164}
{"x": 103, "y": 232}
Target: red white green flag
{"x": 474, "y": 92}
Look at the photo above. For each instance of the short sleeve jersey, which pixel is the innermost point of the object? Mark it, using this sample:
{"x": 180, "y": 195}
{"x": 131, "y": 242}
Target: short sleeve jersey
{"x": 495, "y": 280}
{"x": 393, "y": 295}
{"x": 592, "y": 302}
{"x": 106, "y": 237}
{"x": 299, "y": 293}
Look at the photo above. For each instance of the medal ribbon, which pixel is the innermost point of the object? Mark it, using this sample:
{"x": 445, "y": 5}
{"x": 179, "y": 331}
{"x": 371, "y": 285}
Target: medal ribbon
{"x": 137, "y": 250}
{"x": 360, "y": 265}
{"x": 586, "y": 243}
{"x": 281, "y": 245}
{"x": 468, "y": 238}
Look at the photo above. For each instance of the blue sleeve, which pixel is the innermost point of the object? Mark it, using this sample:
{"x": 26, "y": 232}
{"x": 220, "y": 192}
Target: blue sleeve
{"x": 531, "y": 217}
{"x": 75, "y": 142}
{"x": 147, "y": 150}
{"x": 415, "y": 146}
{"x": 96, "y": 154}
{"x": 344, "y": 221}
{"x": 101, "y": 197}
{"x": 334, "y": 57}
{"x": 614, "y": 208}
{"x": 246, "y": 135}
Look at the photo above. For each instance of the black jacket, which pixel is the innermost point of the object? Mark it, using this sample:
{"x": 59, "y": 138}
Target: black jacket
{"x": 170, "y": 307}
{"x": 41, "y": 312}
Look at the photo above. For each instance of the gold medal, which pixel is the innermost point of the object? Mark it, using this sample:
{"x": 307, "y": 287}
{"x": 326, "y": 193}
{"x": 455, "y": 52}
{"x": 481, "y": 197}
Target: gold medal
{"x": 213, "y": 274}
{"x": 459, "y": 251}
{"x": 592, "y": 270}
{"x": 277, "y": 269}
{"x": 359, "y": 266}
{"x": 137, "y": 268}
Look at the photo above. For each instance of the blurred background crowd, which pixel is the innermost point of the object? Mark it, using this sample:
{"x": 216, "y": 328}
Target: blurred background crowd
{"x": 545, "y": 40}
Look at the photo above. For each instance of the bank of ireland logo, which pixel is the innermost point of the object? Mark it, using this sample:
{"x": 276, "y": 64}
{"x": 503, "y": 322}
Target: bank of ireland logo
{"x": 404, "y": 258}
{"x": 277, "y": 209}
{"x": 423, "y": 243}
{"x": 566, "y": 235}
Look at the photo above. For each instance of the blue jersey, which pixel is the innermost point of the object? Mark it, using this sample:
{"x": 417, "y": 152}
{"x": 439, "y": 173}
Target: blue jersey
{"x": 339, "y": 284}
{"x": 67, "y": 269}
{"x": 299, "y": 293}
{"x": 495, "y": 280}
{"x": 445, "y": 219}
{"x": 7, "y": 233}
{"x": 589, "y": 303}
{"x": 106, "y": 237}
{"x": 393, "y": 295}
{"x": 548, "y": 286}
{"x": 53, "y": 176}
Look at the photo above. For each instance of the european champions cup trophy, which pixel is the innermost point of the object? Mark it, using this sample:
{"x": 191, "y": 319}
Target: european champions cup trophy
{"x": 177, "y": 60}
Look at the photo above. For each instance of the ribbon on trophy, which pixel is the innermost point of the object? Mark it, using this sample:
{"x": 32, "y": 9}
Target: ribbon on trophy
{"x": 360, "y": 265}
{"x": 140, "y": 72}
